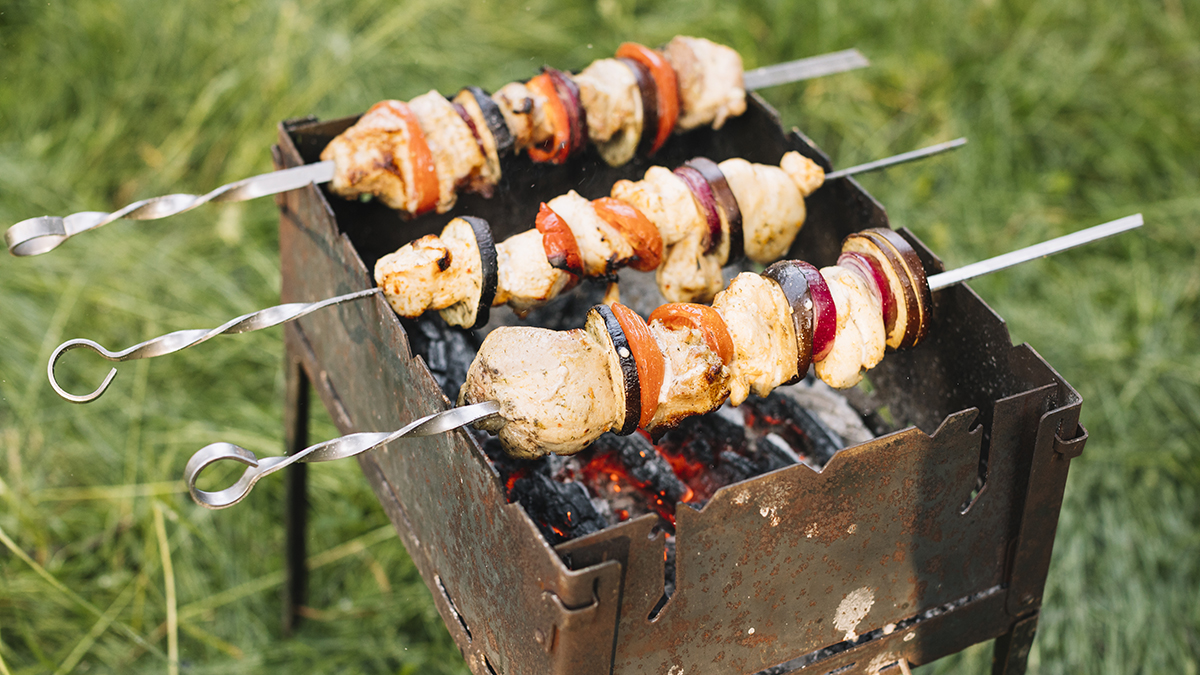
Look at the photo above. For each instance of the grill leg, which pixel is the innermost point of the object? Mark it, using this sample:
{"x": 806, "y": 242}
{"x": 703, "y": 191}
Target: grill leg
{"x": 1011, "y": 652}
{"x": 295, "y": 515}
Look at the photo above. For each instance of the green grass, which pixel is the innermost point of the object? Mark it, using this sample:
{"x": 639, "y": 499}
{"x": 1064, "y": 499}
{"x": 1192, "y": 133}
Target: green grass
{"x": 1077, "y": 113}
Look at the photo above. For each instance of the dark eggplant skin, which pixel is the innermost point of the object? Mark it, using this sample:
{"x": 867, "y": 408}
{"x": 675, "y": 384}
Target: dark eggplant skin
{"x": 495, "y": 120}
{"x": 726, "y": 201}
{"x": 910, "y": 263}
{"x": 791, "y": 278}
{"x": 633, "y": 389}
{"x": 649, "y": 94}
{"x": 568, "y": 93}
{"x": 490, "y": 263}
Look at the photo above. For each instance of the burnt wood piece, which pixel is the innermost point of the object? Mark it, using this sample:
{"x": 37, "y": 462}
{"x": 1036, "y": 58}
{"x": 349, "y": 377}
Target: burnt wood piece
{"x": 892, "y": 551}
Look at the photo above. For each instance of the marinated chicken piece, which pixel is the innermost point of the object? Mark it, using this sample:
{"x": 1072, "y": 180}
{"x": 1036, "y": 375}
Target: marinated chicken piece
{"x": 609, "y": 93}
{"x": 865, "y": 311}
{"x": 764, "y": 337}
{"x": 858, "y": 343}
{"x": 687, "y": 274}
{"x": 695, "y": 381}
{"x": 805, "y": 173}
{"x": 665, "y": 200}
{"x": 489, "y": 175}
{"x": 771, "y": 204}
{"x": 603, "y": 248}
{"x": 372, "y": 157}
{"x": 443, "y": 273}
{"x": 555, "y": 389}
{"x": 525, "y": 278}
{"x": 456, "y": 154}
{"x": 523, "y": 112}
{"x": 710, "y": 82}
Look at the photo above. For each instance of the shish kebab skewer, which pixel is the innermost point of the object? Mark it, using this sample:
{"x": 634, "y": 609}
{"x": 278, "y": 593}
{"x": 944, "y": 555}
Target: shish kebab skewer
{"x": 468, "y": 136}
{"x": 491, "y": 413}
{"x": 280, "y": 314}
{"x": 687, "y": 224}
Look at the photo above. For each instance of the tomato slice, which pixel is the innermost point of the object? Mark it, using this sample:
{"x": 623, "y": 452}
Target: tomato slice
{"x": 649, "y": 358}
{"x": 637, "y": 229}
{"x": 560, "y": 143}
{"x": 703, "y": 318}
{"x": 665, "y": 83}
{"x": 562, "y": 251}
{"x": 424, "y": 179}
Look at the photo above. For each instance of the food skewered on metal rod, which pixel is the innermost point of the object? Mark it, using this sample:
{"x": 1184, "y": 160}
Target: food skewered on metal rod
{"x": 612, "y": 326}
{"x": 415, "y": 156}
{"x": 464, "y": 272}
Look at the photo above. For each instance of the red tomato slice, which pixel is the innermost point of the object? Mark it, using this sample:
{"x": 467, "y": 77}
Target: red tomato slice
{"x": 649, "y": 358}
{"x": 560, "y": 143}
{"x": 703, "y": 318}
{"x": 665, "y": 82}
{"x": 562, "y": 251}
{"x": 641, "y": 234}
{"x": 425, "y": 180}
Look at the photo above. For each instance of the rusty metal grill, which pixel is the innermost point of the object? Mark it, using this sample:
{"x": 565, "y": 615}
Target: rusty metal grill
{"x": 905, "y": 548}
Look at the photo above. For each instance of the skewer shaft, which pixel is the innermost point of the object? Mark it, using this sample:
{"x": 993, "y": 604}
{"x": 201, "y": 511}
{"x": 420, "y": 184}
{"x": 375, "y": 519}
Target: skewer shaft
{"x": 1046, "y": 248}
{"x": 804, "y": 69}
{"x": 897, "y": 159}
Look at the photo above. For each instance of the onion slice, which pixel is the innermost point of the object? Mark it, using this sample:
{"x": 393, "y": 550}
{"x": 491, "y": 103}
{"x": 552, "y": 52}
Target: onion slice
{"x": 726, "y": 200}
{"x": 870, "y": 270}
{"x": 707, "y": 202}
{"x": 919, "y": 317}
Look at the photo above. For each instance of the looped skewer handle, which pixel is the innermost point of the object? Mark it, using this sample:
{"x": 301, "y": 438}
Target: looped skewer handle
{"x": 182, "y": 339}
{"x": 39, "y": 235}
{"x": 338, "y": 448}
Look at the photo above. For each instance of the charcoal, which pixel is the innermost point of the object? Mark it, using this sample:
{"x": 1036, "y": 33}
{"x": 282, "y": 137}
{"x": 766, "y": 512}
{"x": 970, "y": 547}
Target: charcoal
{"x": 645, "y": 466}
{"x": 447, "y": 351}
{"x": 702, "y": 439}
{"x": 562, "y": 511}
{"x": 773, "y": 452}
{"x": 807, "y": 435}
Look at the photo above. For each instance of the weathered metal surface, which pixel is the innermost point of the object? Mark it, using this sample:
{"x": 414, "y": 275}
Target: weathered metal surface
{"x": 891, "y": 545}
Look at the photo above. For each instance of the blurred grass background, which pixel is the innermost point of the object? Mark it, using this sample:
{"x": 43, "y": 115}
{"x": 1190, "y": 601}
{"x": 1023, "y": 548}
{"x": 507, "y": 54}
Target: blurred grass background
{"x": 1077, "y": 113}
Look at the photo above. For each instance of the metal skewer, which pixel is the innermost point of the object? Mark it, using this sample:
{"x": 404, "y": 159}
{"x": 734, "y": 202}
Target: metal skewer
{"x": 273, "y": 316}
{"x": 338, "y": 448}
{"x": 182, "y": 339}
{"x": 448, "y": 420}
{"x": 42, "y": 234}
{"x": 39, "y": 235}
{"x": 939, "y": 281}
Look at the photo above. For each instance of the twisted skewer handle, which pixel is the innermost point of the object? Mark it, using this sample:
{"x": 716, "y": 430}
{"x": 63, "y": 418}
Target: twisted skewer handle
{"x": 338, "y": 448}
{"x": 182, "y": 339}
{"x": 39, "y": 235}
